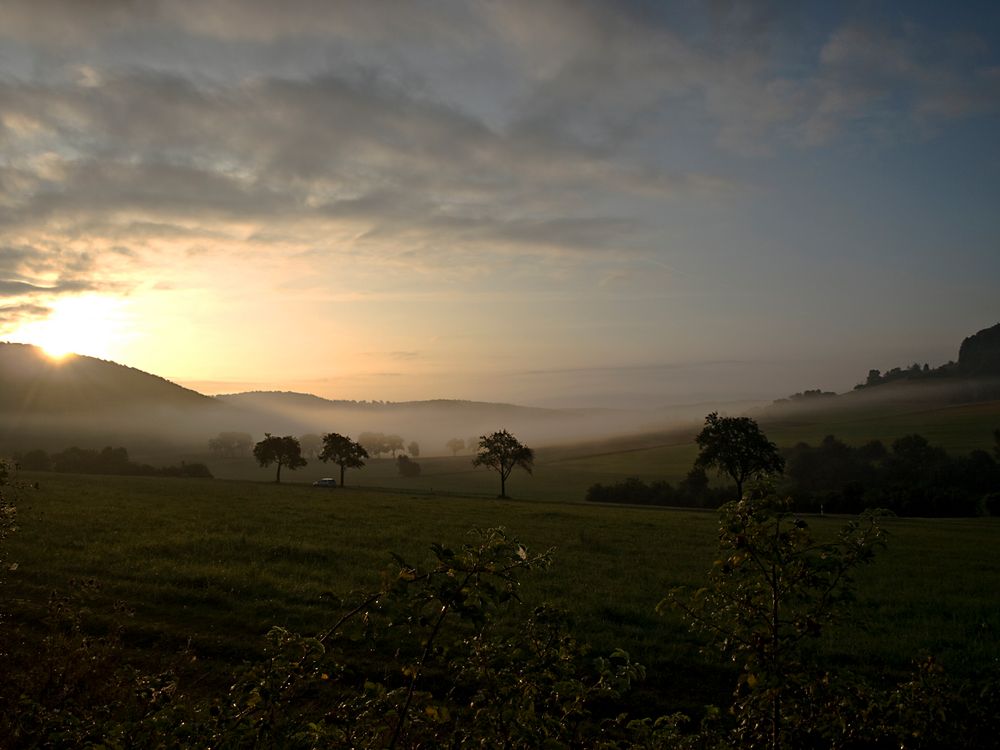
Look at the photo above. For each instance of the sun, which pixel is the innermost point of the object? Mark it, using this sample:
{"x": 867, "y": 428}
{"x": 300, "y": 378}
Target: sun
{"x": 90, "y": 325}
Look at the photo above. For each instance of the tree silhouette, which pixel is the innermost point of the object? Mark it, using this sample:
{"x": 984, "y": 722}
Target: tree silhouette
{"x": 374, "y": 443}
{"x": 284, "y": 451}
{"x": 393, "y": 443}
{"x": 501, "y": 451}
{"x": 406, "y": 467}
{"x": 414, "y": 449}
{"x": 455, "y": 445}
{"x": 737, "y": 447}
{"x": 342, "y": 451}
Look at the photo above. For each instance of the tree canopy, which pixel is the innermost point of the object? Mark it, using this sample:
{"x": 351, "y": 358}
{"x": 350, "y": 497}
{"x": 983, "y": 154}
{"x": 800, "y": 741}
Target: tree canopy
{"x": 283, "y": 451}
{"x": 342, "y": 451}
{"x": 735, "y": 446}
{"x": 501, "y": 451}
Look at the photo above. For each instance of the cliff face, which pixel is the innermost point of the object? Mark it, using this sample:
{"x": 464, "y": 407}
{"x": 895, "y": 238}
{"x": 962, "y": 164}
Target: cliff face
{"x": 979, "y": 354}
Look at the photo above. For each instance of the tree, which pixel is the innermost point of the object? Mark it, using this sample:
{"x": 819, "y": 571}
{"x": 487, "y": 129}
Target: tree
{"x": 773, "y": 589}
{"x": 342, "y": 451}
{"x": 284, "y": 451}
{"x": 407, "y": 468}
{"x": 501, "y": 451}
{"x": 736, "y": 446}
{"x": 455, "y": 445}
{"x": 393, "y": 443}
{"x": 414, "y": 449}
{"x": 374, "y": 443}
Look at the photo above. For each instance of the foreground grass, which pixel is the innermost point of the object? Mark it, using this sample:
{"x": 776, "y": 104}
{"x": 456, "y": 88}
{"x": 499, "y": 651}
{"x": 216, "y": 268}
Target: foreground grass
{"x": 214, "y": 564}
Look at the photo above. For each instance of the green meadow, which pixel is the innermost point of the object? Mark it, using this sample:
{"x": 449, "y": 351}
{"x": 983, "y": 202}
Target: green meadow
{"x": 212, "y": 564}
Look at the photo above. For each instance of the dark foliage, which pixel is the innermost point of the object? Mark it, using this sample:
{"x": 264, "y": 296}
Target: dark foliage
{"x": 503, "y": 452}
{"x": 979, "y": 354}
{"x": 809, "y": 396}
{"x": 693, "y": 492}
{"x": 108, "y": 460}
{"x": 283, "y": 451}
{"x": 736, "y": 447}
{"x": 343, "y": 451}
{"x": 407, "y": 467}
{"x": 912, "y": 478}
{"x": 773, "y": 589}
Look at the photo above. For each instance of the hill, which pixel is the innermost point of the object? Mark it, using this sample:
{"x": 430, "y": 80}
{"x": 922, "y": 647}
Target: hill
{"x": 92, "y": 403}
{"x": 975, "y": 376}
{"x": 431, "y": 423}
{"x": 89, "y": 402}
{"x": 35, "y": 383}
{"x": 84, "y": 400}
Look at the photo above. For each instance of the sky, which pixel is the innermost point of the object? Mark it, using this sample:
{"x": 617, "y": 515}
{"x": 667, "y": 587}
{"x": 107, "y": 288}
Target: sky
{"x": 549, "y": 203}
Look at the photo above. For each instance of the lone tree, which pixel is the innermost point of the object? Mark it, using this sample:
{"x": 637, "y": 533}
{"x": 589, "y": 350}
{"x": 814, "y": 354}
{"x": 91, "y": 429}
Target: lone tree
{"x": 342, "y": 451}
{"x": 284, "y": 451}
{"x": 501, "y": 451}
{"x": 773, "y": 590}
{"x": 736, "y": 446}
{"x": 455, "y": 445}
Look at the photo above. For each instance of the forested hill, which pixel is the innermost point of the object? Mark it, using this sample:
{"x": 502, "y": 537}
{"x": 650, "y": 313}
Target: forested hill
{"x": 978, "y": 358}
{"x": 432, "y": 422}
{"x": 979, "y": 355}
{"x": 33, "y": 383}
{"x": 278, "y": 400}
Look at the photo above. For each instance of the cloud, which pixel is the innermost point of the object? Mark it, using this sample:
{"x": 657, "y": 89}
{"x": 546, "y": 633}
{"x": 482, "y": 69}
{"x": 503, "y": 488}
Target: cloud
{"x": 438, "y": 144}
{"x": 906, "y": 82}
{"x": 142, "y": 156}
{"x": 13, "y": 317}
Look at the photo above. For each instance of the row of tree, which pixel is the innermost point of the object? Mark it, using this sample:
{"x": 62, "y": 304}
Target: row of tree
{"x": 105, "y": 461}
{"x": 232, "y": 444}
{"x": 499, "y": 451}
{"x": 377, "y": 443}
{"x": 286, "y": 452}
{"x": 911, "y": 478}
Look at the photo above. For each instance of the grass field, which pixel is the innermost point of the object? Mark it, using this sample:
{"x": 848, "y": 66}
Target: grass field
{"x": 215, "y": 563}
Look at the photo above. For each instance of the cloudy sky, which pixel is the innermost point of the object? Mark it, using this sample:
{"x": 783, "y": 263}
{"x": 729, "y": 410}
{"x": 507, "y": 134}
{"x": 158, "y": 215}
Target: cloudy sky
{"x": 542, "y": 202}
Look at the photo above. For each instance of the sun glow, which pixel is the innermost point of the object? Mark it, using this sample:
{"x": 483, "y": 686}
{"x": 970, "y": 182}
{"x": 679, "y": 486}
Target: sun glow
{"x": 88, "y": 325}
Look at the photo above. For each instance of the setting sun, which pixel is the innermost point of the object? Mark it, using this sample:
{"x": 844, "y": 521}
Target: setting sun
{"x": 82, "y": 325}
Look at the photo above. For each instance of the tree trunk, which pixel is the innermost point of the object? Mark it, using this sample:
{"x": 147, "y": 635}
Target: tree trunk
{"x": 341, "y": 475}
{"x": 277, "y": 479}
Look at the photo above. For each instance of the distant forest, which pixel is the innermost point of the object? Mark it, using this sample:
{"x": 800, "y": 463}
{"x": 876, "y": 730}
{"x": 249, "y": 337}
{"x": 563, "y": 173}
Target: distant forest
{"x": 910, "y": 478}
{"x": 978, "y": 357}
{"x": 106, "y": 461}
